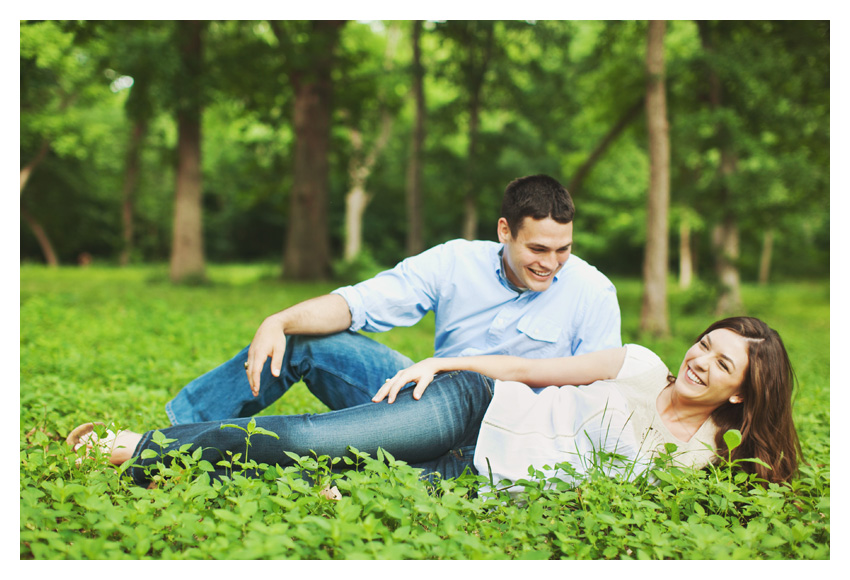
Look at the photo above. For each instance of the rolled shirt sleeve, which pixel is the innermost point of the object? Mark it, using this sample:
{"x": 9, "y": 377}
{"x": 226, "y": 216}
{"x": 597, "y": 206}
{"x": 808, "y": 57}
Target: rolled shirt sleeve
{"x": 397, "y": 297}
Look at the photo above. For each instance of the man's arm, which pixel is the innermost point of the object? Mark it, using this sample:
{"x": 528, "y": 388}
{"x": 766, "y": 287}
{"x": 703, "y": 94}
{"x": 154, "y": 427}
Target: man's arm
{"x": 322, "y": 315}
{"x": 600, "y": 328}
{"x": 574, "y": 370}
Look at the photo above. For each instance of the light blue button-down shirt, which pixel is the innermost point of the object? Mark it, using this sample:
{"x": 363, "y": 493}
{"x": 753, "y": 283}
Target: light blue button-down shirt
{"x": 477, "y": 311}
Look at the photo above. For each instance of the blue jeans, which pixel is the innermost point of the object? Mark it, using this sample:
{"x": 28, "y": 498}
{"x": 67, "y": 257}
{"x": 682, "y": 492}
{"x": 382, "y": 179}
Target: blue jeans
{"x": 342, "y": 370}
{"x": 436, "y": 433}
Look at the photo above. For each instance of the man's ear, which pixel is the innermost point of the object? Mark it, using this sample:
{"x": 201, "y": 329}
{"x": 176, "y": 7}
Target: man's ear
{"x": 503, "y": 230}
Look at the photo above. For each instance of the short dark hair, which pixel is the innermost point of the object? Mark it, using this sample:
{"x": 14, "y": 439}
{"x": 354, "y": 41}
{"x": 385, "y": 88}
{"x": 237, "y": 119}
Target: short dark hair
{"x": 538, "y": 197}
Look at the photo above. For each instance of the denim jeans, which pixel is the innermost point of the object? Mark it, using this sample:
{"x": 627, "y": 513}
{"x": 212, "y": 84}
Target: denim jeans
{"x": 342, "y": 370}
{"x": 436, "y": 433}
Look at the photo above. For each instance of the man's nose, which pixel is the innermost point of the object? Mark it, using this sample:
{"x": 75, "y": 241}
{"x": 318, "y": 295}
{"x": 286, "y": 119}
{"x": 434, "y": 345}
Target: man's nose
{"x": 550, "y": 261}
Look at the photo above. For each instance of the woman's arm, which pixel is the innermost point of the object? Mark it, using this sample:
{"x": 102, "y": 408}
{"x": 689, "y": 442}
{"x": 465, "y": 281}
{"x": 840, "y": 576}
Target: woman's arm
{"x": 575, "y": 370}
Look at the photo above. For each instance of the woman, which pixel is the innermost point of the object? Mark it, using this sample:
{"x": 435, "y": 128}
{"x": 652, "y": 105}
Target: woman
{"x": 737, "y": 375}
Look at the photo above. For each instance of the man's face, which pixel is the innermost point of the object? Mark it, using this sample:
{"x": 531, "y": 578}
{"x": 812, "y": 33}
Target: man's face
{"x": 539, "y": 250}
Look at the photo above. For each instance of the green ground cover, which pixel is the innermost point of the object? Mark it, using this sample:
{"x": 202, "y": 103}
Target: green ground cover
{"x": 109, "y": 344}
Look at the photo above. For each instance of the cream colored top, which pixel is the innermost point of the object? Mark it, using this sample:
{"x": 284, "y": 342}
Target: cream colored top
{"x": 543, "y": 427}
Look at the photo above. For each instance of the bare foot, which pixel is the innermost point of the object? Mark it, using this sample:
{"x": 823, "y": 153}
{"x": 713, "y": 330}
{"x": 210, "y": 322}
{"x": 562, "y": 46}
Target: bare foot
{"x": 118, "y": 446}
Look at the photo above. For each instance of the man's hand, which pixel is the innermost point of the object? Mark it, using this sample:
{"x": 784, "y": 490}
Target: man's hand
{"x": 269, "y": 341}
{"x": 421, "y": 373}
{"x": 317, "y": 316}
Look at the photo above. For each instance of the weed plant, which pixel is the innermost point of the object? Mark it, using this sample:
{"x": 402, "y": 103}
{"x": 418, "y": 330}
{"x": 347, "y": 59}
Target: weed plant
{"x": 115, "y": 345}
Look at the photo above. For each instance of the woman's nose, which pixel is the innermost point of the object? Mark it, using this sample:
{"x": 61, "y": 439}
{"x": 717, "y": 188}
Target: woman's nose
{"x": 700, "y": 363}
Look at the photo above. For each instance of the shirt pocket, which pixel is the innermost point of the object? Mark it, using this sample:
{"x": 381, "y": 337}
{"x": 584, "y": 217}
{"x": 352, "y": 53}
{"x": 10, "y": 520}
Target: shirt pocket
{"x": 540, "y": 329}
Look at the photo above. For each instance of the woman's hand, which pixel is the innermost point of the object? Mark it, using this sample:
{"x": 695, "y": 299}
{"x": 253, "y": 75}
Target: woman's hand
{"x": 421, "y": 373}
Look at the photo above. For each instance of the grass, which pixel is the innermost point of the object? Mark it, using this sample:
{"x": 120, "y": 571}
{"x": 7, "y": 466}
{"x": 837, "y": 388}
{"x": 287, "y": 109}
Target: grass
{"x": 113, "y": 344}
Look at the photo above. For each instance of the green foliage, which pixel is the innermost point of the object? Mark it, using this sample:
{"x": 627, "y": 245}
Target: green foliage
{"x": 106, "y": 344}
{"x": 552, "y": 91}
{"x": 361, "y": 267}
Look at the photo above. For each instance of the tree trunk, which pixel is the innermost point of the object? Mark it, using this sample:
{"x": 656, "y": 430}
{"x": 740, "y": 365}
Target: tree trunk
{"x": 187, "y": 251}
{"x": 476, "y": 84}
{"x": 725, "y": 233}
{"x": 307, "y": 253}
{"x": 356, "y": 201}
{"x": 26, "y": 171}
{"x": 725, "y": 241}
{"x": 357, "y": 198}
{"x": 766, "y": 257}
{"x": 360, "y": 166}
{"x": 131, "y": 181}
{"x": 622, "y": 123}
{"x": 470, "y": 202}
{"x": 654, "y": 308}
{"x": 415, "y": 221}
{"x": 686, "y": 259}
{"x": 42, "y": 238}
{"x": 36, "y": 227}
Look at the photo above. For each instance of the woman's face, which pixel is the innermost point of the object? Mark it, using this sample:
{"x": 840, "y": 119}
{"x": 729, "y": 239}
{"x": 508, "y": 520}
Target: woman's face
{"x": 713, "y": 370}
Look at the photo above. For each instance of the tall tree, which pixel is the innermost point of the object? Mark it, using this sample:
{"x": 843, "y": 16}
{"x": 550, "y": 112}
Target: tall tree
{"x": 307, "y": 253}
{"x": 473, "y": 44}
{"x": 368, "y": 109}
{"x": 479, "y": 38}
{"x": 128, "y": 191}
{"x": 725, "y": 238}
{"x": 53, "y": 78}
{"x": 187, "y": 252}
{"x": 653, "y": 317}
{"x": 140, "y": 55}
{"x": 414, "y": 194}
{"x": 360, "y": 167}
{"x": 686, "y": 254}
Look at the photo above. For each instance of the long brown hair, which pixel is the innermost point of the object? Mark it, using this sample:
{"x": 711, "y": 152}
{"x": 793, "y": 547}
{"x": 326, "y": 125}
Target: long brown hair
{"x": 764, "y": 416}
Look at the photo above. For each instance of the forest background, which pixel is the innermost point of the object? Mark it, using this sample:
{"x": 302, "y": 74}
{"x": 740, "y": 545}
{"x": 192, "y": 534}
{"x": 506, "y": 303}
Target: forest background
{"x": 337, "y": 148}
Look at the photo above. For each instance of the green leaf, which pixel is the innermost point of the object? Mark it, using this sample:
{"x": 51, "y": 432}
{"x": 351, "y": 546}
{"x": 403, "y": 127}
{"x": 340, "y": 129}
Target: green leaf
{"x": 261, "y": 431}
{"x": 732, "y": 438}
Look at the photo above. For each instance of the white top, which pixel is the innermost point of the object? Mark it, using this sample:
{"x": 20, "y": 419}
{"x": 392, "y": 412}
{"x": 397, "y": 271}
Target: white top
{"x": 543, "y": 427}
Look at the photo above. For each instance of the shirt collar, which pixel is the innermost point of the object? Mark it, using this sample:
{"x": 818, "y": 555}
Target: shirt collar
{"x": 504, "y": 278}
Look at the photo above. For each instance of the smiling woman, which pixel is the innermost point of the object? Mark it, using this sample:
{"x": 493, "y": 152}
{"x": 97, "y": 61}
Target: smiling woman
{"x": 509, "y": 419}
{"x": 711, "y": 374}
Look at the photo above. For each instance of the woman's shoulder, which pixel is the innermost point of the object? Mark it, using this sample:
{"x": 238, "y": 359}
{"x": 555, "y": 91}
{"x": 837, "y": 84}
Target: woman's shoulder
{"x": 640, "y": 360}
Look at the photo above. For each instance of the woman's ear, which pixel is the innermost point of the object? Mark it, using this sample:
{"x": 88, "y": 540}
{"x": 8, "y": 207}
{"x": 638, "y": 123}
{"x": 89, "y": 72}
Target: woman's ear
{"x": 735, "y": 399}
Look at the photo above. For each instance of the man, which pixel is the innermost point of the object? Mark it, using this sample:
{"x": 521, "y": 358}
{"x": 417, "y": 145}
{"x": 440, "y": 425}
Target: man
{"x": 525, "y": 296}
